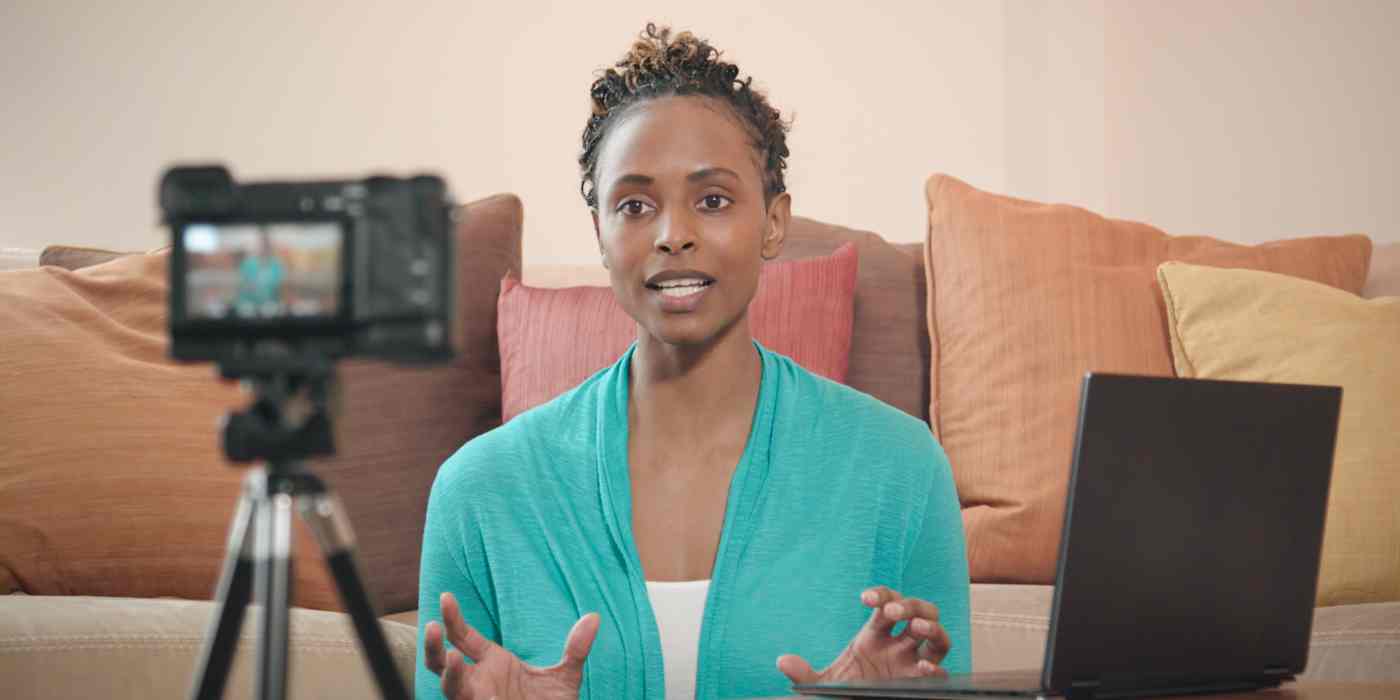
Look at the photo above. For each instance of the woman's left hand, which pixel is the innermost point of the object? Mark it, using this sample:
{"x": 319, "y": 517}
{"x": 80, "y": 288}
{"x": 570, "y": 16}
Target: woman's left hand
{"x": 874, "y": 653}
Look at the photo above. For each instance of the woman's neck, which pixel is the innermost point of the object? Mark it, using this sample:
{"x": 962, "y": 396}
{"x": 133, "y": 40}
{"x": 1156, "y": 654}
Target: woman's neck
{"x": 692, "y": 394}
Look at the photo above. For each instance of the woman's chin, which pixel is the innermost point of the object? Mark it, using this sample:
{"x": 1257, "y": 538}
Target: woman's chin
{"x": 681, "y": 337}
{"x": 692, "y": 331}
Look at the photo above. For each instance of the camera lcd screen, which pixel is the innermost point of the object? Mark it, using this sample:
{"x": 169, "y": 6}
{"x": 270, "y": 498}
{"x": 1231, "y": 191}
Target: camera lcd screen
{"x": 271, "y": 271}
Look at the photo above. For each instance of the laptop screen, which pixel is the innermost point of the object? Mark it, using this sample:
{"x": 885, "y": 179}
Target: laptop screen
{"x": 1193, "y": 531}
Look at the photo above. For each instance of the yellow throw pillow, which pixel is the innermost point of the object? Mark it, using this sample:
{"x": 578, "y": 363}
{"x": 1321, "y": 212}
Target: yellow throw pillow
{"x": 1260, "y": 326}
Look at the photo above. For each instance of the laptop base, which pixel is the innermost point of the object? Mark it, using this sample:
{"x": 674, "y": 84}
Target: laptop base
{"x": 1013, "y": 684}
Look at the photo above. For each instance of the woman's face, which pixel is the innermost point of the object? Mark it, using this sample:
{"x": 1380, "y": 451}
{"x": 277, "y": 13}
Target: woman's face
{"x": 681, "y": 221}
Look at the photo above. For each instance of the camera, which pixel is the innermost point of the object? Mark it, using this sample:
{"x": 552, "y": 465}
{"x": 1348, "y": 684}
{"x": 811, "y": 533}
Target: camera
{"x": 335, "y": 268}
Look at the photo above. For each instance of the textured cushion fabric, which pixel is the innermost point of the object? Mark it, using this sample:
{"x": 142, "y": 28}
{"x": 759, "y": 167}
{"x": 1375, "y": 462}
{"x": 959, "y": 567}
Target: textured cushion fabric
{"x": 889, "y": 339}
{"x": 802, "y": 309}
{"x": 1025, "y": 298}
{"x": 1355, "y": 643}
{"x": 1009, "y": 625}
{"x": 111, "y": 477}
{"x": 1384, "y": 279}
{"x": 1258, "y": 326}
{"x": 86, "y": 647}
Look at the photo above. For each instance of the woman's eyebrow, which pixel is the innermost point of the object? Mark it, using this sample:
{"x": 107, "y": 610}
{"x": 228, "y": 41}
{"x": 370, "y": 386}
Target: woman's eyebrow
{"x": 703, "y": 173}
{"x": 633, "y": 179}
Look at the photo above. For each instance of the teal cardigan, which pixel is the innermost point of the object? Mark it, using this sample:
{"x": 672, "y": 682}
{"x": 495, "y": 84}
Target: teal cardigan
{"x": 530, "y": 527}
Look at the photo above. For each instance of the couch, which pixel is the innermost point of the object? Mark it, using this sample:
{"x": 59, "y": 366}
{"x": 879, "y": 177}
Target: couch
{"x": 74, "y": 630}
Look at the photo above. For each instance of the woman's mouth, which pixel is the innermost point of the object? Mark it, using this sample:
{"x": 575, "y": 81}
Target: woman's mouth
{"x": 682, "y": 294}
{"x": 681, "y": 287}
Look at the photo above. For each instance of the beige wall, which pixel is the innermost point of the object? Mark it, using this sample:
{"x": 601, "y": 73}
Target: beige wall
{"x": 1246, "y": 119}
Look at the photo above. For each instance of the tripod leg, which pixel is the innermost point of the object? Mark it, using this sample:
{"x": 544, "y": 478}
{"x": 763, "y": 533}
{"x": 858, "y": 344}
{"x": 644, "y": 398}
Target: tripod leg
{"x": 272, "y": 587}
{"x": 235, "y": 585}
{"x": 332, "y": 528}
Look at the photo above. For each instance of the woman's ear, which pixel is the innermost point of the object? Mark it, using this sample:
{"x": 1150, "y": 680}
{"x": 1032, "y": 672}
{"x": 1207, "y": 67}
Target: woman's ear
{"x": 598, "y": 236}
{"x": 775, "y": 232}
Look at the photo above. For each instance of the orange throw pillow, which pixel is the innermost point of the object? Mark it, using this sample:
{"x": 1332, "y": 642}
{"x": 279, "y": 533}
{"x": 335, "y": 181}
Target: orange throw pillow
{"x": 112, "y": 480}
{"x": 553, "y": 339}
{"x": 1025, "y": 298}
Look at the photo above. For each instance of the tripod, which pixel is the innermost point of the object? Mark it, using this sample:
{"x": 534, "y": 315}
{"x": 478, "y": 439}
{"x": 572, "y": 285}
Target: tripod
{"x": 258, "y": 561}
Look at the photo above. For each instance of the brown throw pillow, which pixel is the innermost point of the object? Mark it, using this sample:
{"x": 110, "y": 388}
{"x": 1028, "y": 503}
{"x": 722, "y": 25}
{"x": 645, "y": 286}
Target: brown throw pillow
{"x": 111, "y": 477}
{"x": 1025, "y": 298}
{"x": 889, "y": 340}
{"x": 71, "y": 257}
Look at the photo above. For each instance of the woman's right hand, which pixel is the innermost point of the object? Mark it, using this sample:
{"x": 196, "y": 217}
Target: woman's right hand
{"x": 498, "y": 673}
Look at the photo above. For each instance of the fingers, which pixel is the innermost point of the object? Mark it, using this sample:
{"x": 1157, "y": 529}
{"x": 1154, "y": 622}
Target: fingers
{"x": 454, "y": 676}
{"x": 797, "y": 669}
{"x": 462, "y": 635}
{"x": 432, "y": 647}
{"x": 929, "y": 668}
{"x": 580, "y": 641}
{"x": 912, "y": 609}
{"x": 893, "y": 608}
{"x": 876, "y": 596}
{"x": 923, "y": 626}
{"x": 936, "y": 644}
{"x": 881, "y": 599}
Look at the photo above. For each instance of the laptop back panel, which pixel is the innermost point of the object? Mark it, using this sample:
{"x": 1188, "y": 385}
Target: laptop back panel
{"x": 1193, "y": 532}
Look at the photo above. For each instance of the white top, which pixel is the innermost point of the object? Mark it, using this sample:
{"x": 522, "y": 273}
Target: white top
{"x": 679, "y": 607}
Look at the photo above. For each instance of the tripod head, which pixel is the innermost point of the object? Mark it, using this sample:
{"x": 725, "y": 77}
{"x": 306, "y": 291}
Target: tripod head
{"x": 292, "y": 415}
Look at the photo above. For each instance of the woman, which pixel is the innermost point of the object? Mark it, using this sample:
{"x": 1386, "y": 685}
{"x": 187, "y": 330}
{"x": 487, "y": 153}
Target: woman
{"x": 703, "y": 508}
{"x": 260, "y": 280}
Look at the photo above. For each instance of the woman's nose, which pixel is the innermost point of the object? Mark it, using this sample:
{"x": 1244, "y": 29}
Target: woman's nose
{"x": 675, "y": 235}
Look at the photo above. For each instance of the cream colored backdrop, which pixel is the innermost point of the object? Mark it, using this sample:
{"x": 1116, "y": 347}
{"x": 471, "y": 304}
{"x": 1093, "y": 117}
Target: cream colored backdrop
{"x": 1248, "y": 119}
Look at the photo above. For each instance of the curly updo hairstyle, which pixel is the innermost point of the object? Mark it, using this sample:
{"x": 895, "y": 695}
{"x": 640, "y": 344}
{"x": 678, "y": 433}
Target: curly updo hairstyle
{"x": 660, "y": 65}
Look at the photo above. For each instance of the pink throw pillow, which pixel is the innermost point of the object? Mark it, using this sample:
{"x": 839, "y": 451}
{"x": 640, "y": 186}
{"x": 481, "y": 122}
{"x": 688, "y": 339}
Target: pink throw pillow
{"x": 553, "y": 339}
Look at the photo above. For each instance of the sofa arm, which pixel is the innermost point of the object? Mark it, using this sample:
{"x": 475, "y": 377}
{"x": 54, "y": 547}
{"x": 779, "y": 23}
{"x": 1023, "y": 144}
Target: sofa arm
{"x": 86, "y": 647}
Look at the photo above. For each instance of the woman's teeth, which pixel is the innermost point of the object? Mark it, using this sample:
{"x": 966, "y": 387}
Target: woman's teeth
{"x": 681, "y": 288}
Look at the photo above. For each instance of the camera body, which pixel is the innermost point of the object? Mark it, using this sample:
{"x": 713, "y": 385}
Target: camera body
{"x": 271, "y": 270}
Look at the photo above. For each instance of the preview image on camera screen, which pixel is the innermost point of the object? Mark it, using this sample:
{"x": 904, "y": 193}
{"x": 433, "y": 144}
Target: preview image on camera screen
{"x": 265, "y": 271}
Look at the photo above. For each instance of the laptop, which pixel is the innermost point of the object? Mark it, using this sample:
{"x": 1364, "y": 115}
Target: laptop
{"x": 1190, "y": 548}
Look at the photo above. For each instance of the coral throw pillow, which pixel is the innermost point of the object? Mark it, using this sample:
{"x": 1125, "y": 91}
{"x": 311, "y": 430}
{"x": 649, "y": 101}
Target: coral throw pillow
{"x": 1256, "y": 326}
{"x": 1024, "y": 298}
{"x": 553, "y": 339}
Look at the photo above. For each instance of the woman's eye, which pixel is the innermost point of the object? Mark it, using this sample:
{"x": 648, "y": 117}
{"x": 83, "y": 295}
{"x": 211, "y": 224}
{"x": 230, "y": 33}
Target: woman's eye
{"x": 715, "y": 201}
{"x": 633, "y": 207}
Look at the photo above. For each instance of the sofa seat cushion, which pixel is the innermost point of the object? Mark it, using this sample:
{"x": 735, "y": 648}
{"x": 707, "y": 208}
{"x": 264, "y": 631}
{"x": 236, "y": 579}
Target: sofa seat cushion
{"x": 1355, "y": 643}
{"x": 1010, "y": 624}
{"x": 93, "y": 647}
